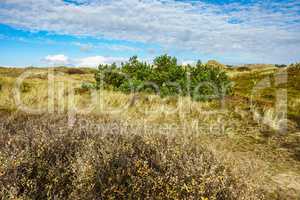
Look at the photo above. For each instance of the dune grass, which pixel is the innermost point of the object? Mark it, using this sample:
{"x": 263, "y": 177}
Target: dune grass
{"x": 255, "y": 158}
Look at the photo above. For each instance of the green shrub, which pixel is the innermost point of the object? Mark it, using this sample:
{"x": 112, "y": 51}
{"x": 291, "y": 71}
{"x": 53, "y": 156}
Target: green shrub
{"x": 208, "y": 82}
{"x": 131, "y": 85}
{"x": 87, "y": 86}
{"x": 166, "y": 77}
{"x": 280, "y": 65}
{"x": 137, "y": 70}
{"x": 109, "y": 75}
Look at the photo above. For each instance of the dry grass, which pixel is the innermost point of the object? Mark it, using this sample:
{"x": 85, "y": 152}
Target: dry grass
{"x": 193, "y": 129}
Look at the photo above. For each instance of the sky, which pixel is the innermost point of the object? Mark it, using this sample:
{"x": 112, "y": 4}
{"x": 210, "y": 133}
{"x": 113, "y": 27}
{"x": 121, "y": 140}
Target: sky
{"x": 91, "y": 32}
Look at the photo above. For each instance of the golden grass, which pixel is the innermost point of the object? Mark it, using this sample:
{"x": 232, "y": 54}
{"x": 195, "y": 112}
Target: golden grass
{"x": 229, "y": 131}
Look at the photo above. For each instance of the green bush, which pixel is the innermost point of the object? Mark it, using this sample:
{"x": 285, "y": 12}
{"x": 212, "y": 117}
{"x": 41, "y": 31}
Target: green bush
{"x": 166, "y": 77}
{"x": 110, "y": 76}
{"x": 131, "y": 85}
{"x": 280, "y": 65}
{"x": 87, "y": 86}
{"x": 207, "y": 82}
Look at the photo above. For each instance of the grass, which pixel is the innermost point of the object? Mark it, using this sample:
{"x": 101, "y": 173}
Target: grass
{"x": 266, "y": 97}
{"x": 186, "y": 140}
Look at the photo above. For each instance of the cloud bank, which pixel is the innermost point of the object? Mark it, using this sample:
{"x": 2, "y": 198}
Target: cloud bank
{"x": 57, "y": 59}
{"x": 92, "y": 61}
{"x": 264, "y": 31}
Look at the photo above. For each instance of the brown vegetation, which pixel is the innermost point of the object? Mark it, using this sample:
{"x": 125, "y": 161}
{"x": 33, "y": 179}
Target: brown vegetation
{"x": 43, "y": 158}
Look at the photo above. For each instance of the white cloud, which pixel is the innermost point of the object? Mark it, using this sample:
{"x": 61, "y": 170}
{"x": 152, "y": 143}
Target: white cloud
{"x": 87, "y": 47}
{"x": 59, "y": 59}
{"x": 262, "y": 32}
{"x": 94, "y": 61}
{"x": 188, "y": 62}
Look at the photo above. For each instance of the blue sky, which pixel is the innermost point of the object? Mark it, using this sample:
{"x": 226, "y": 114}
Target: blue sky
{"x": 90, "y": 32}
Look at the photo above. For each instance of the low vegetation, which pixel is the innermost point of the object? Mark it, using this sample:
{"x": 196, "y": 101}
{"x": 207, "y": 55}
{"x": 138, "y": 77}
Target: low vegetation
{"x": 204, "y": 153}
{"x": 287, "y": 78}
{"x": 295, "y": 66}
{"x": 39, "y": 161}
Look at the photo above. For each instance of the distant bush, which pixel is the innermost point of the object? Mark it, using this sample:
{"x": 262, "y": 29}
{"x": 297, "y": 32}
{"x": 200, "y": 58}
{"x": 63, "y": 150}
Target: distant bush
{"x": 295, "y": 66}
{"x": 75, "y": 71}
{"x": 52, "y": 161}
{"x": 166, "y": 78}
{"x": 293, "y": 70}
{"x": 280, "y": 65}
{"x": 243, "y": 69}
{"x": 85, "y": 88}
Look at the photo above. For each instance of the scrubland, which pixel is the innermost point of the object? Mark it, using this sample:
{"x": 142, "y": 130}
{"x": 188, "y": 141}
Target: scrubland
{"x": 140, "y": 146}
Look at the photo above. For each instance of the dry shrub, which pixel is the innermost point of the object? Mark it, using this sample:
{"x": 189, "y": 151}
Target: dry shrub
{"x": 41, "y": 158}
{"x": 70, "y": 71}
{"x": 81, "y": 91}
{"x": 294, "y": 67}
{"x": 75, "y": 71}
{"x": 293, "y": 70}
{"x": 243, "y": 69}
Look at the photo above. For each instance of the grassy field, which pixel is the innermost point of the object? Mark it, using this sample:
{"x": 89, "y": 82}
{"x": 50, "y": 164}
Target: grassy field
{"x": 115, "y": 145}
